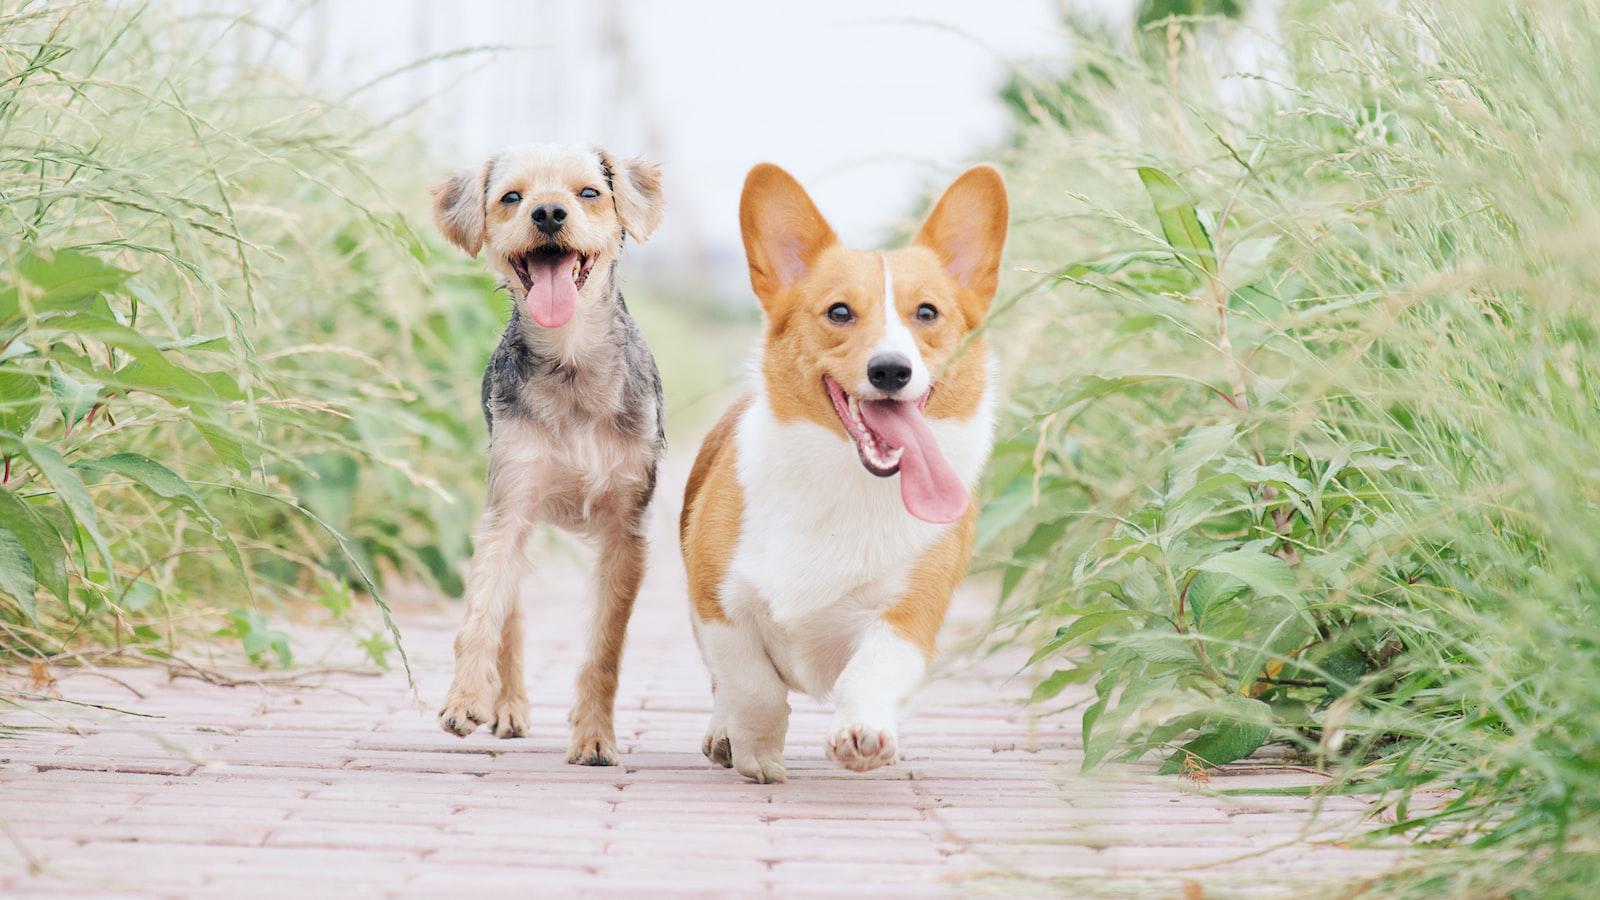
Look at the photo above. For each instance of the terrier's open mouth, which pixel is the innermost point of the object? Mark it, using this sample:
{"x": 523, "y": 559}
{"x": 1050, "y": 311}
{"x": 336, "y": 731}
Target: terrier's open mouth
{"x": 552, "y": 278}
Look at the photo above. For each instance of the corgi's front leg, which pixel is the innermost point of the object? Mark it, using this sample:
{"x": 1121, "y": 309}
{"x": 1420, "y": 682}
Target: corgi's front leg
{"x": 882, "y": 672}
{"x": 751, "y": 699}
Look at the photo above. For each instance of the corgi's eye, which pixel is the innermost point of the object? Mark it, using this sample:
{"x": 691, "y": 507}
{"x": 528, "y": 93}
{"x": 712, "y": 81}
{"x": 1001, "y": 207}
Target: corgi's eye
{"x": 840, "y": 314}
{"x": 511, "y": 197}
{"x": 927, "y": 313}
{"x": 588, "y": 193}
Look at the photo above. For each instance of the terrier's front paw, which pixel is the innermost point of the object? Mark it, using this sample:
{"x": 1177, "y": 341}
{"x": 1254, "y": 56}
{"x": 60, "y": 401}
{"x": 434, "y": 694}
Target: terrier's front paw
{"x": 510, "y": 718}
{"x": 763, "y": 766}
{"x": 717, "y": 747}
{"x": 591, "y": 747}
{"x": 463, "y": 712}
{"x": 861, "y": 748}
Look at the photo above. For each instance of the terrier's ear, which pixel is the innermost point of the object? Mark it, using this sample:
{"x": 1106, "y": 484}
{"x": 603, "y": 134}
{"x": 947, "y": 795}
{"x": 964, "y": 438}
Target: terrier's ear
{"x": 783, "y": 231}
{"x": 458, "y": 207}
{"x": 967, "y": 230}
{"x": 636, "y": 185}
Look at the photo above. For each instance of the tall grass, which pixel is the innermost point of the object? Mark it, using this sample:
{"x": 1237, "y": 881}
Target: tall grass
{"x": 232, "y": 376}
{"x": 1307, "y": 448}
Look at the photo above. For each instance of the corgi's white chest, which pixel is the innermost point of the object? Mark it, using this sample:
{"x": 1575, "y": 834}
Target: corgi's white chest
{"x": 826, "y": 546}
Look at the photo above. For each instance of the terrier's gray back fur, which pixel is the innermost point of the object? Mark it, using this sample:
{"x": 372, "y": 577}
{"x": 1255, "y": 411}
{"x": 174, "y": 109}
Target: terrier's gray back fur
{"x": 620, "y": 382}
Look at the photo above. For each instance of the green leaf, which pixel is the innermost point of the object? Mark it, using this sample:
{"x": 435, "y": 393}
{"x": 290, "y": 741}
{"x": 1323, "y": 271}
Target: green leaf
{"x": 257, "y": 638}
{"x": 16, "y": 573}
{"x": 1208, "y": 588}
{"x": 1345, "y": 666}
{"x": 1240, "y": 735}
{"x": 1080, "y": 627}
{"x": 1264, "y": 573}
{"x": 39, "y": 539}
{"x": 1264, "y": 649}
{"x": 158, "y": 479}
{"x": 1219, "y": 746}
{"x": 227, "y": 449}
{"x": 1158, "y": 646}
{"x": 73, "y": 397}
{"x": 69, "y": 487}
{"x": 1198, "y": 447}
{"x": 1276, "y": 474}
{"x": 1090, "y": 387}
{"x": 1180, "y": 224}
{"x": 377, "y": 648}
{"x": 139, "y": 595}
{"x": 1058, "y": 681}
{"x": 163, "y": 482}
{"x": 1036, "y": 547}
{"x": 1005, "y": 508}
{"x": 19, "y": 400}
{"x": 1040, "y": 541}
{"x": 151, "y": 371}
{"x": 63, "y": 279}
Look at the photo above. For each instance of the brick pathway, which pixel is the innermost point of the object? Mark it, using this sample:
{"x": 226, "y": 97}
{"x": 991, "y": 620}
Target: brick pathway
{"x": 350, "y": 786}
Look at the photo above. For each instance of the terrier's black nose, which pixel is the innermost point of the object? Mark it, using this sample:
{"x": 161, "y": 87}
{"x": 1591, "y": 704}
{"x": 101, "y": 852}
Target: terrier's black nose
{"x": 549, "y": 217}
{"x": 889, "y": 372}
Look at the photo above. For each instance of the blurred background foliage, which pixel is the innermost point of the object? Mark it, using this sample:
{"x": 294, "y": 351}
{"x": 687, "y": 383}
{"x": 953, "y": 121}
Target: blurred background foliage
{"x": 1306, "y": 445}
{"x": 232, "y": 372}
{"x": 238, "y": 371}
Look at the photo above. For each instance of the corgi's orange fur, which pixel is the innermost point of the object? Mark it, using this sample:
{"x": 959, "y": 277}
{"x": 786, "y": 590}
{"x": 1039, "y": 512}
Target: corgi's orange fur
{"x": 828, "y": 516}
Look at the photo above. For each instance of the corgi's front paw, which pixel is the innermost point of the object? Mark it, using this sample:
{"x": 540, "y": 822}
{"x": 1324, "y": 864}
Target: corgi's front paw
{"x": 717, "y": 748}
{"x": 759, "y": 764}
{"x": 862, "y": 748}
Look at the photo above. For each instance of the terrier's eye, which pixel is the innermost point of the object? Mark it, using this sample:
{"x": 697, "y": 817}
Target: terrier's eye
{"x": 511, "y": 197}
{"x": 588, "y": 193}
{"x": 840, "y": 314}
{"x": 927, "y": 313}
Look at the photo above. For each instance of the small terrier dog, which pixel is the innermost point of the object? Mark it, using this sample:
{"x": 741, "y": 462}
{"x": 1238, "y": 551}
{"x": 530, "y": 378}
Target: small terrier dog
{"x": 811, "y": 567}
{"x": 573, "y": 404}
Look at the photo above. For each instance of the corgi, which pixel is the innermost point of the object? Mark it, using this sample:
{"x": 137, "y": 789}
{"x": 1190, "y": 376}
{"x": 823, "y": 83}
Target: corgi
{"x": 829, "y": 515}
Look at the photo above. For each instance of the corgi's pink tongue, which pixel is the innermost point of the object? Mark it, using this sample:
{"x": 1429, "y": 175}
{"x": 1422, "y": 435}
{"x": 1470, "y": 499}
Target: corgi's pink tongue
{"x": 553, "y": 295}
{"x": 929, "y": 488}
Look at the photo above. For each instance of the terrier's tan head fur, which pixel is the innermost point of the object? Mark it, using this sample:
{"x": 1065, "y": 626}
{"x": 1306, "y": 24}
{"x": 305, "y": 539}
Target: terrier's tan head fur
{"x": 549, "y": 211}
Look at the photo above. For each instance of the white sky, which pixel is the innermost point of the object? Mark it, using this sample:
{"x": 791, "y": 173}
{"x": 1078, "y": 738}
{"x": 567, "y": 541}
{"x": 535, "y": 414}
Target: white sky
{"x": 869, "y": 104}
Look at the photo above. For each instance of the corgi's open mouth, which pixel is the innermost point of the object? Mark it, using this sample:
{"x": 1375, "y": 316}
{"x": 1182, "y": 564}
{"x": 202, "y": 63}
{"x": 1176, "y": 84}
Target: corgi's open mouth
{"x": 879, "y": 456}
{"x": 892, "y": 436}
{"x": 552, "y": 278}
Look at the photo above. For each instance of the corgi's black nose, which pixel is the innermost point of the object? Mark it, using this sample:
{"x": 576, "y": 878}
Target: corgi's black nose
{"x": 889, "y": 372}
{"x": 549, "y": 217}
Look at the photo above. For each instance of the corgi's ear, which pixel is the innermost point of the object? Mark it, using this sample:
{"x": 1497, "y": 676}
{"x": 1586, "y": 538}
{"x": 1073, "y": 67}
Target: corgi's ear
{"x": 783, "y": 231}
{"x": 458, "y": 206}
{"x": 636, "y": 185}
{"x": 967, "y": 230}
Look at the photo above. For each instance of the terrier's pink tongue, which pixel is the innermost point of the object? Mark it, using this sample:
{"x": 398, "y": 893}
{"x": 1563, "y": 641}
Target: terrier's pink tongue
{"x": 930, "y": 489}
{"x": 554, "y": 294}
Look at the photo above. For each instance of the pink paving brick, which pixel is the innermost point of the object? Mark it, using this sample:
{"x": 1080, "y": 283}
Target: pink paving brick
{"x": 352, "y": 788}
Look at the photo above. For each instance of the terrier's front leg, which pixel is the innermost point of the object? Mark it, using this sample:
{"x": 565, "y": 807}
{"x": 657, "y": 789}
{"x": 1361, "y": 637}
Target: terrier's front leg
{"x": 620, "y": 570}
{"x": 511, "y": 709}
{"x": 882, "y": 672}
{"x": 752, "y": 703}
{"x": 478, "y": 695}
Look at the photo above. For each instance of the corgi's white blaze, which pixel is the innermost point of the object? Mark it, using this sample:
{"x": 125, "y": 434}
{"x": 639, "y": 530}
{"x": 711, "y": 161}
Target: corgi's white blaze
{"x": 896, "y": 339}
{"x": 825, "y": 546}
